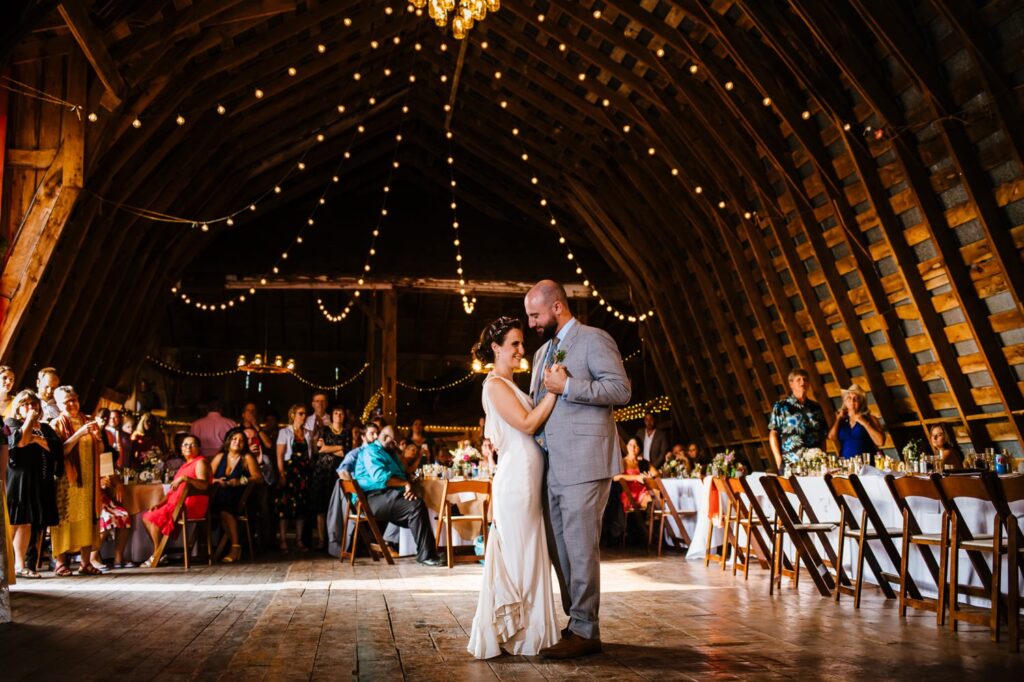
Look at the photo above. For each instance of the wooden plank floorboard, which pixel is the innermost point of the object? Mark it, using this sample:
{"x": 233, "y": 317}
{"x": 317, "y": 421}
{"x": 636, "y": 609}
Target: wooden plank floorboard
{"x": 311, "y": 618}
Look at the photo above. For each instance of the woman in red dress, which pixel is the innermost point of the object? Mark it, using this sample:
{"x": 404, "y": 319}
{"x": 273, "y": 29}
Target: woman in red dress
{"x": 195, "y": 470}
{"x": 634, "y": 469}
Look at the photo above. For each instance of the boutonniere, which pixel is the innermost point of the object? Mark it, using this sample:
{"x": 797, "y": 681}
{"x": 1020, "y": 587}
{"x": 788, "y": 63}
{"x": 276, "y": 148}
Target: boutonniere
{"x": 559, "y": 356}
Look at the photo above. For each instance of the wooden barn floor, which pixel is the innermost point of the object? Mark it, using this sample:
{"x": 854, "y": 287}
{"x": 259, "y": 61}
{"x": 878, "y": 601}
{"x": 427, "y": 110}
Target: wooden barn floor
{"x": 314, "y": 618}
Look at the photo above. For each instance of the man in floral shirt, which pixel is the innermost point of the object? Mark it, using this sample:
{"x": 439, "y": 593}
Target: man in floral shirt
{"x": 796, "y": 423}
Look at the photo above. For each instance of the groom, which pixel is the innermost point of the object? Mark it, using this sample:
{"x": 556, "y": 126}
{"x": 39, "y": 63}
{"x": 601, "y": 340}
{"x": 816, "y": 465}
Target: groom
{"x": 582, "y": 448}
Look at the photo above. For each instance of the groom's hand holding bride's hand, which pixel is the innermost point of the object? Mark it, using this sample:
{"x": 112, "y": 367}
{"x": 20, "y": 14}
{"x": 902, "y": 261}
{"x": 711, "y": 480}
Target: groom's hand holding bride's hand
{"x": 554, "y": 379}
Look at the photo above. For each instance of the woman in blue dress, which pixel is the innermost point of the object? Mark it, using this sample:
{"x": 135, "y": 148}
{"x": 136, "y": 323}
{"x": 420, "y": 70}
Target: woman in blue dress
{"x": 856, "y": 431}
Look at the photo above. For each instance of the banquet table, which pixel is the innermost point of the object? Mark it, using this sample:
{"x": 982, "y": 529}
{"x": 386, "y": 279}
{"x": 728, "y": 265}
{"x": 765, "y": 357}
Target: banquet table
{"x": 978, "y": 515}
{"x": 430, "y": 491}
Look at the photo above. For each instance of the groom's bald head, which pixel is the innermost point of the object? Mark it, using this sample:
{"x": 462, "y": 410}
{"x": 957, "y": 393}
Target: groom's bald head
{"x": 547, "y": 308}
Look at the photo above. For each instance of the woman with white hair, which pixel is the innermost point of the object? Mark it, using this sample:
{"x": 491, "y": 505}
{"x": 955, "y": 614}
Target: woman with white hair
{"x": 856, "y": 431}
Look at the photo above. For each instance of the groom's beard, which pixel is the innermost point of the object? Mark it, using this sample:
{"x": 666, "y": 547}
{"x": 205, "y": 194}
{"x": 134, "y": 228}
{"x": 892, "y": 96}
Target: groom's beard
{"x": 548, "y": 331}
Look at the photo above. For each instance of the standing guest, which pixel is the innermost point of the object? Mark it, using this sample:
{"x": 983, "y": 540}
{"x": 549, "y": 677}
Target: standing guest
{"x": 419, "y": 436}
{"x": 271, "y": 425}
{"x": 79, "y": 489}
{"x": 945, "y": 447}
{"x": 319, "y": 420}
{"x": 234, "y": 468}
{"x": 146, "y": 399}
{"x": 295, "y": 476}
{"x": 392, "y": 500}
{"x": 796, "y": 422}
{"x": 148, "y": 438}
{"x": 6, "y": 391}
{"x": 46, "y": 381}
{"x": 120, "y": 442}
{"x": 334, "y": 441}
{"x": 856, "y": 431}
{"x": 259, "y": 440}
{"x": 211, "y": 429}
{"x": 654, "y": 441}
{"x": 195, "y": 471}
{"x": 36, "y": 459}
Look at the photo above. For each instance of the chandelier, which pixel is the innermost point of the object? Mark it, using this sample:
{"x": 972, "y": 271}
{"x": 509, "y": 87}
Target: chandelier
{"x": 278, "y": 366}
{"x": 463, "y": 18}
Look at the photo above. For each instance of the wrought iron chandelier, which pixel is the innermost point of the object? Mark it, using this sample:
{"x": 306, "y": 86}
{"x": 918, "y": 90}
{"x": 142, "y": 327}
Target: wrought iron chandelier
{"x": 463, "y": 17}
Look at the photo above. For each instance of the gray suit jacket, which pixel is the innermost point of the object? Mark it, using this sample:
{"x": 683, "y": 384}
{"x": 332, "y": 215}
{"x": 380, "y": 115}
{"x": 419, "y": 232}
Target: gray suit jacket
{"x": 582, "y": 442}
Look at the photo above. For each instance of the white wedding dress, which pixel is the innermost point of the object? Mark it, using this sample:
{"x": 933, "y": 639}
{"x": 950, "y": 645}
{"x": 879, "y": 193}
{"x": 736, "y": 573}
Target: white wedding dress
{"x": 516, "y": 610}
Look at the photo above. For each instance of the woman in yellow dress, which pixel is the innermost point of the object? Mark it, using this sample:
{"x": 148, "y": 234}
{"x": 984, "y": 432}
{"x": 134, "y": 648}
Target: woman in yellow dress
{"x": 78, "y": 491}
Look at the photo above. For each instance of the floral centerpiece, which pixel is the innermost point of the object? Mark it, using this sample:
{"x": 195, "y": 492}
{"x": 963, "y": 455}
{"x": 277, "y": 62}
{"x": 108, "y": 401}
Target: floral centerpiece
{"x": 149, "y": 468}
{"x": 913, "y": 450}
{"x": 673, "y": 468}
{"x": 724, "y": 464}
{"x": 812, "y": 460}
{"x": 465, "y": 457}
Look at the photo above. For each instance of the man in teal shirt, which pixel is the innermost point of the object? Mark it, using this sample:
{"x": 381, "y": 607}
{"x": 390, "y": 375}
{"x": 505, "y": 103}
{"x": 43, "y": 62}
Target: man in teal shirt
{"x": 392, "y": 500}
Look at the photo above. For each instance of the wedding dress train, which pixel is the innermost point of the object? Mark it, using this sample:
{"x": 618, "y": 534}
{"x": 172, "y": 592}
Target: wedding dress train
{"x": 516, "y": 610}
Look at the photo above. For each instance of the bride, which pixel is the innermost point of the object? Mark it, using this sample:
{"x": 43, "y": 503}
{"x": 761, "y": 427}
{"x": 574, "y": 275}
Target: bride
{"x": 516, "y": 611}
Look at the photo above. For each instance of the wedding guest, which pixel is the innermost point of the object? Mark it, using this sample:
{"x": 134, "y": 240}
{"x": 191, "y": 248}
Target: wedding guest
{"x": 655, "y": 441}
{"x": 271, "y": 427}
{"x": 412, "y": 455}
{"x": 348, "y": 464}
{"x": 796, "y": 422}
{"x": 856, "y": 431}
{"x": 35, "y": 460}
{"x": 419, "y": 436}
{"x": 694, "y": 454}
{"x": 146, "y": 399}
{"x": 488, "y": 453}
{"x": 233, "y": 468}
{"x": 679, "y": 454}
{"x": 6, "y": 391}
{"x": 295, "y": 475}
{"x": 320, "y": 419}
{"x": 120, "y": 442}
{"x": 635, "y": 468}
{"x": 177, "y": 459}
{"x": 331, "y": 445}
{"x": 148, "y": 439}
{"x": 259, "y": 440}
{"x": 46, "y": 381}
{"x": 945, "y": 447}
{"x": 392, "y": 499}
{"x": 80, "y": 485}
{"x": 211, "y": 429}
{"x": 196, "y": 472}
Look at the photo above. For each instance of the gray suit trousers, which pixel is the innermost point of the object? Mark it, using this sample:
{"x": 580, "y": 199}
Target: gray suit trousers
{"x": 574, "y": 515}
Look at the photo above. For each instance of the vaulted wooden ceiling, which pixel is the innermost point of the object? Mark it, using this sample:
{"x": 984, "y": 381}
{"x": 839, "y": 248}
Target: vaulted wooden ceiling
{"x": 784, "y": 182}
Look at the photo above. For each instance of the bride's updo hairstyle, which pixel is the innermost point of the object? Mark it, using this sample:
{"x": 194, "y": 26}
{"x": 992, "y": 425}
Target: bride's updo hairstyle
{"x": 495, "y": 332}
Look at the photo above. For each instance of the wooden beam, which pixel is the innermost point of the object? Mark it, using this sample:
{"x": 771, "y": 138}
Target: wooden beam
{"x": 493, "y": 288}
{"x": 456, "y": 79}
{"x": 33, "y": 159}
{"x": 76, "y": 16}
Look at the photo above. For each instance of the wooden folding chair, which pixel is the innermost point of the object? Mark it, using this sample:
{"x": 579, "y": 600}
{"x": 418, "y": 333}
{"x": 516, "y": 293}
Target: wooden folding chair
{"x": 868, "y": 527}
{"x": 242, "y": 517}
{"x": 789, "y": 522}
{"x": 445, "y": 519}
{"x": 765, "y": 542}
{"x": 180, "y": 518}
{"x": 364, "y": 520}
{"x": 660, "y": 508}
{"x": 951, "y": 489}
{"x": 751, "y": 526}
{"x": 727, "y": 514}
{"x": 903, "y": 489}
{"x": 1007, "y": 491}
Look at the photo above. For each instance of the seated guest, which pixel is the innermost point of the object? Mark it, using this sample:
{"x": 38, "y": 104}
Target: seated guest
{"x": 678, "y": 454}
{"x": 79, "y": 488}
{"x": 796, "y": 422}
{"x": 177, "y": 458}
{"x": 392, "y": 500}
{"x": 36, "y": 459}
{"x": 333, "y": 442}
{"x": 489, "y": 454}
{"x": 945, "y": 447}
{"x": 634, "y": 470}
{"x": 148, "y": 438}
{"x": 654, "y": 441}
{"x": 856, "y": 431}
{"x": 234, "y": 468}
{"x": 695, "y": 456}
{"x": 295, "y": 475}
{"x": 348, "y": 465}
{"x": 412, "y": 455}
{"x": 196, "y": 471}
{"x": 211, "y": 429}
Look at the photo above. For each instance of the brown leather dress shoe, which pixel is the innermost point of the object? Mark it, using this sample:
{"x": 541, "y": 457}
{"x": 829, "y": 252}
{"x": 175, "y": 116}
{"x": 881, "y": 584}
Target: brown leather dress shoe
{"x": 572, "y": 646}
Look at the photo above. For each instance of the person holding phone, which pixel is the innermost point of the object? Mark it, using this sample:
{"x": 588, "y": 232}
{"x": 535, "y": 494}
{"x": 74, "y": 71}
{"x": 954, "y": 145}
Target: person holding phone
{"x": 856, "y": 431}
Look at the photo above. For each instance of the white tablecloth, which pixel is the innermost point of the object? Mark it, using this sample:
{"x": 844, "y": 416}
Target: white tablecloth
{"x": 690, "y": 498}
